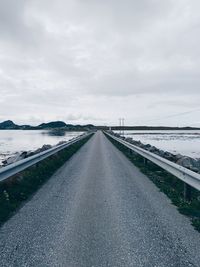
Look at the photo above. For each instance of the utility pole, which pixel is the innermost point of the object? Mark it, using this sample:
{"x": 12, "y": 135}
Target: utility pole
{"x": 122, "y": 126}
{"x": 120, "y": 123}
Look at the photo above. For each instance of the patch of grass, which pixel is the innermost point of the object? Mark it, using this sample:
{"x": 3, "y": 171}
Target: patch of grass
{"x": 19, "y": 188}
{"x": 167, "y": 183}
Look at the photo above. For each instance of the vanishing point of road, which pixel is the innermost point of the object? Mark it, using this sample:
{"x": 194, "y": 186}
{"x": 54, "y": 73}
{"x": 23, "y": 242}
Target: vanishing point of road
{"x": 99, "y": 210}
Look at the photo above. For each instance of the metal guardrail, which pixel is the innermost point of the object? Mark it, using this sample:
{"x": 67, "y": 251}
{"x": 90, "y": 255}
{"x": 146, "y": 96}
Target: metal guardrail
{"x": 189, "y": 177}
{"x": 16, "y": 167}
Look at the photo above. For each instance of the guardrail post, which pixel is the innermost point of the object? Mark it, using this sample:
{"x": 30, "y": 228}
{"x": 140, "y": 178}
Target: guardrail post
{"x": 187, "y": 192}
{"x": 145, "y": 161}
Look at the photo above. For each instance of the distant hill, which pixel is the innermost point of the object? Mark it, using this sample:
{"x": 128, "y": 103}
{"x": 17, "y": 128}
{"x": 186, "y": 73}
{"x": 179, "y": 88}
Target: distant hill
{"x": 10, "y": 125}
{"x": 53, "y": 124}
{"x": 60, "y": 125}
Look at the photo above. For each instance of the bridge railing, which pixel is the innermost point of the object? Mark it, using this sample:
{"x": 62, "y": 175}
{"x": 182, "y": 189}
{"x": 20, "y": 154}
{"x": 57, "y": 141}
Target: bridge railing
{"x": 187, "y": 176}
{"x": 16, "y": 167}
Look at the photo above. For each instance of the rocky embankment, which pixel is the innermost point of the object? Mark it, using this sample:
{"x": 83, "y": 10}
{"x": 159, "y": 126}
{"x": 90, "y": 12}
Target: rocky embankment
{"x": 187, "y": 162}
{"x": 25, "y": 154}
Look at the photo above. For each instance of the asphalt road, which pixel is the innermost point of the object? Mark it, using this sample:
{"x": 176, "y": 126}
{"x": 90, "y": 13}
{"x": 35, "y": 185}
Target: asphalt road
{"x": 99, "y": 210}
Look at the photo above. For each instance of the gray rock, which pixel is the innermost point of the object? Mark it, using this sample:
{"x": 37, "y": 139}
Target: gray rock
{"x": 147, "y": 146}
{"x": 134, "y": 142}
{"x": 25, "y": 154}
{"x": 161, "y": 153}
{"x": 153, "y": 149}
{"x": 198, "y": 162}
{"x": 62, "y": 142}
{"x": 30, "y": 153}
{"x": 168, "y": 155}
{"x": 178, "y": 156}
{"x": 43, "y": 148}
{"x": 188, "y": 162}
{"x": 129, "y": 139}
{"x": 139, "y": 144}
{"x": 18, "y": 156}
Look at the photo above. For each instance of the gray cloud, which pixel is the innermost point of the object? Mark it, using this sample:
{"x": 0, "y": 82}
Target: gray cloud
{"x": 96, "y": 61}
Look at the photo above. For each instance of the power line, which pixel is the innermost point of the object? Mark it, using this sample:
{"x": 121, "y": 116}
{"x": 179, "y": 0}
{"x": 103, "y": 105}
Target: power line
{"x": 175, "y": 115}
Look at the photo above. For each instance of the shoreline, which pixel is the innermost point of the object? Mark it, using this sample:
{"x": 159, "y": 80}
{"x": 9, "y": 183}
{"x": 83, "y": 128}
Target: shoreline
{"x": 190, "y": 163}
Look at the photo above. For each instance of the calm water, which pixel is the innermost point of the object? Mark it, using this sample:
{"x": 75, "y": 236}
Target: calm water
{"x": 183, "y": 142}
{"x": 12, "y": 141}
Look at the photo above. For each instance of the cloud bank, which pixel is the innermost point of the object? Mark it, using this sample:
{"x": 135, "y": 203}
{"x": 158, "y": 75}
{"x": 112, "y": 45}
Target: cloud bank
{"x": 95, "y": 61}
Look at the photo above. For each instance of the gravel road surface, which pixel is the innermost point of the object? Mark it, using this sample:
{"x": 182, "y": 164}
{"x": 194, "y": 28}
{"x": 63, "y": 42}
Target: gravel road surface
{"x": 99, "y": 210}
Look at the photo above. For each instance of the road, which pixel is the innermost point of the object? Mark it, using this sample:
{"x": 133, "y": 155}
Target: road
{"x": 99, "y": 210}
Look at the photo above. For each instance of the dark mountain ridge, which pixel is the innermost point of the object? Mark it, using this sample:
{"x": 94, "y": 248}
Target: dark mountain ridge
{"x": 10, "y": 125}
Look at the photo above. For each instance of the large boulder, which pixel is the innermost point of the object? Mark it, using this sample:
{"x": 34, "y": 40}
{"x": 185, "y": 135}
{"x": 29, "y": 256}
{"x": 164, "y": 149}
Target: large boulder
{"x": 43, "y": 148}
{"x": 177, "y": 157}
{"x": 189, "y": 163}
{"x": 25, "y": 154}
{"x": 169, "y": 156}
{"x": 16, "y": 157}
{"x": 147, "y": 146}
{"x": 153, "y": 149}
{"x": 128, "y": 139}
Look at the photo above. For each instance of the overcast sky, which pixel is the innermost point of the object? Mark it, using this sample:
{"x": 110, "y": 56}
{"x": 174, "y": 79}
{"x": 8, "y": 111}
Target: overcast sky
{"x": 94, "y": 61}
